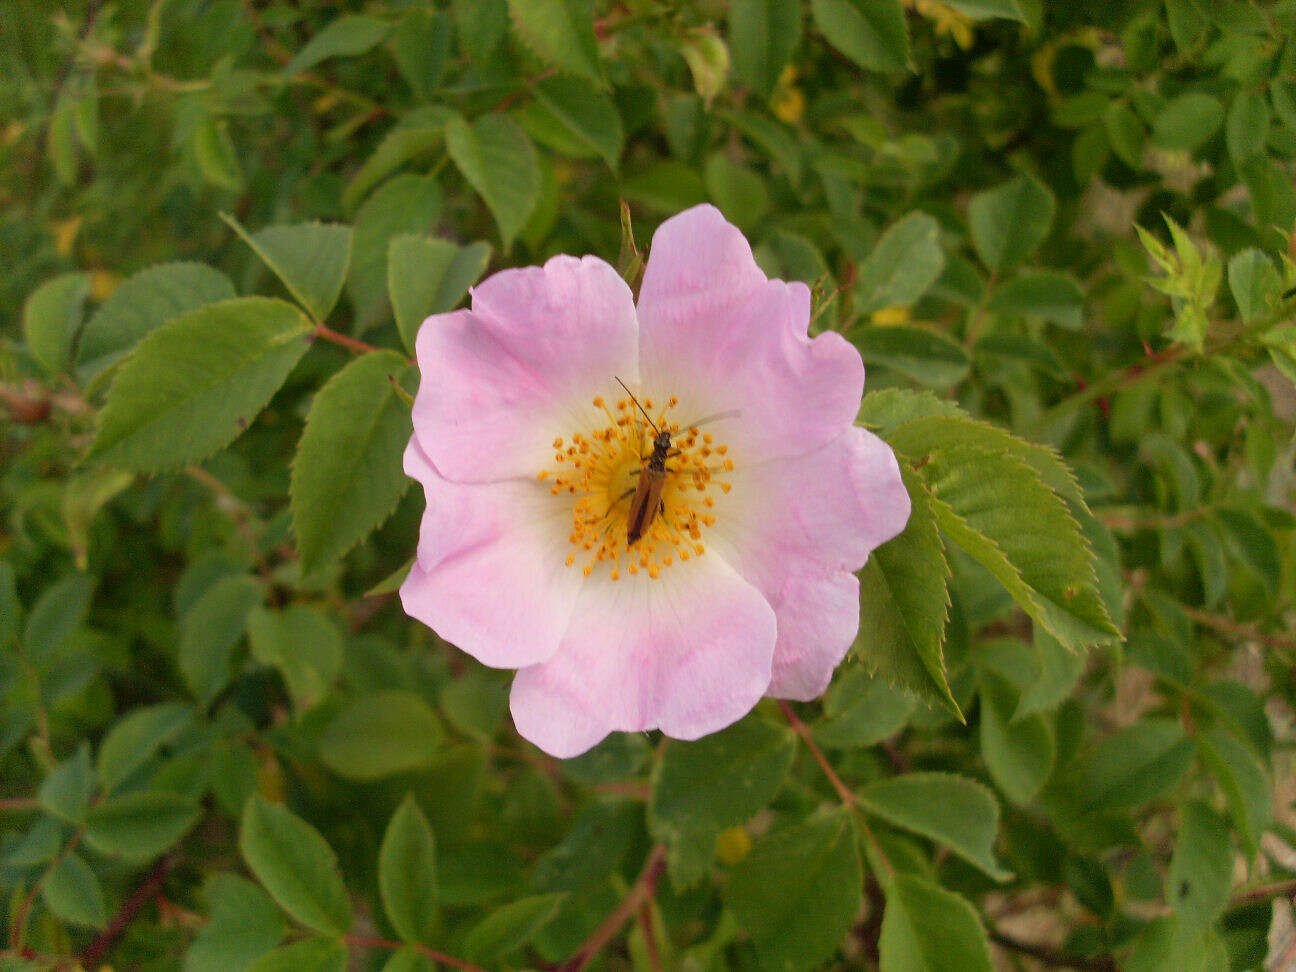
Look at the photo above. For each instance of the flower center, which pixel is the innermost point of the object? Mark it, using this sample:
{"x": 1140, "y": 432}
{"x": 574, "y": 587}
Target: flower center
{"x": 641, "y": 496}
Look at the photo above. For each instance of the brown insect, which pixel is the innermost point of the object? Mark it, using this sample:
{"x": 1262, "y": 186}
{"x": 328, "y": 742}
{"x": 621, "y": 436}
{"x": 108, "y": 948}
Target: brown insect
{"x": 646, "y": 503}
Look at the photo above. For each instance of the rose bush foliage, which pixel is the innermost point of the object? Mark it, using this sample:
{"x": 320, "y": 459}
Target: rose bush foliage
{"x": 1060, "y": 237}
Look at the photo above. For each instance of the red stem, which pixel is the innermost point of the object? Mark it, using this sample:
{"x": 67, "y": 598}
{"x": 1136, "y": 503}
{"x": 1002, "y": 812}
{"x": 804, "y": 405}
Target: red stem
{"x": 350, "y": 343}
{"x": 98, "y": 949}
{"x": 645, "y": 887}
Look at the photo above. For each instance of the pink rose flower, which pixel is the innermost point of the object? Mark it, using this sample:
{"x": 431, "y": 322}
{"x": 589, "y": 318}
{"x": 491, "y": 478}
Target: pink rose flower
{"x": 530, "y": 454}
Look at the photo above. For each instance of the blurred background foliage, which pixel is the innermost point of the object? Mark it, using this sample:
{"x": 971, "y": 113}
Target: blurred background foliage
{"x": 222, "y": 744}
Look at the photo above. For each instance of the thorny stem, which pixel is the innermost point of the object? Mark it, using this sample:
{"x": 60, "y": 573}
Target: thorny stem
{"x": 1050, "y": 957}
{"x": 98, "y": 949}
{"x": 843, "y": 791}
{"x": 649, "y": 936}
{"x": 371, "y": 941}
{"x": 350, "y": 343}
{"x": 1116, "y": 521}
{"x": 1235, "y": 629}
{"x": 645, "y": 887}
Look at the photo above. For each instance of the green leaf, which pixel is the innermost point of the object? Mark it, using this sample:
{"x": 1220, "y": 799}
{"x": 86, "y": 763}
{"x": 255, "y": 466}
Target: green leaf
{"x": 951, "y": 810}
{"x": 1018, "y": 750}
{"x": 1201, "y": 871}
{"x": 707, "y": 56}
{"x": 72, "y": 892}
{"x": 928, "y": 929}
{"x": 475, "y": 702}
{"x": 211, "y": 630}
{"x": 10, "y": 606}
{"x": 1273, "y": 195}
{"x": 51, "y": 316}
{"x": 924, "y": 355}
{"x": 304, "y": 644}
{"x": 561, "y": 33}
{"x": 1188, "y": 121}
{"x": 699, "y": 788}
{"x": 906, "y": 261}
{"x": 139, "y": 826}
{"x": 774, "y": 139}
{"x": 347, "y": 36}
{"x": 404, "y": 204}
{"x": 381, "y": 734}
{"x": 141, "y": 303}
{"x": 420, "y": 47}
{"x": 904, "y": 604}
{"x": 1255, "y": 545}
{"x": 310, "y": 259}
{"x": 871, "y": 33}
{"x": 61, "y": 608}
{"x": 499, "y": 161}
{"x": 508, "y": 928}
{"x": 407, "y": 874}
{"x": 292, "y": 861}
{"x": 216, "y": 155}
{"x": 987, "y": 9}
{"x": 594, "y": 847}
{"x": 798, "y": 891}
{"x": 1021, "y": 348}
{"x": 999, "y": 510}
{"x": 738, "y": 191}
{"x": 666, "y": 187}
{"x": 1246, "y": 129}
{"x": 885, "y": 411}
{"x": 195, "y": 383}
{"x": 244, "y": 924}
{"x": 763, "y": 34}
{"x": 1244, "y": 781}
{"x": 481, "y": 25}
{"x": 308, "y": 955}
{"x": 428, "y": 276}
{"x": 1127, "y": 768}
{"x": 1254, "y": 283}
{"x": 1045, "y": 294}
{"x": 1187, "y": 22}
{"x": 1056, "y": 672}
{"x": 1008, "y": 222}
{"x": 136, "y": 738}
{"x": 861, "y": 710}
{"x": 409, "y": 959}
{"x": 1126, "y": 133}
{"x": 416, "y": 134}
{"x": 67, "y": 790}
{"x": 587, "y": 113}
{"x": 347, "y": 476}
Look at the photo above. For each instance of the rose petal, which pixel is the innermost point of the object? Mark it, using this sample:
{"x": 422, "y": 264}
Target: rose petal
{"x": 796, "y": 529}
{"x": 720, "y": 336}
{"x": 818, "y": 619}
{"x": 489, "y": 575}
{"x": 502, "y": 381}
{"x": 688, "y": 652}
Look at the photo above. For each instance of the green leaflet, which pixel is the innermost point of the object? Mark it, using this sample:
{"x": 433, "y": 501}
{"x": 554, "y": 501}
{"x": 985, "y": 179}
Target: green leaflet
{"x": 292, "y": 861}
{"x": 347, "y": 476}
{"x": 499, "y": 161}
{"x": 193, "y": 384}
{"x": 904, "y": 605}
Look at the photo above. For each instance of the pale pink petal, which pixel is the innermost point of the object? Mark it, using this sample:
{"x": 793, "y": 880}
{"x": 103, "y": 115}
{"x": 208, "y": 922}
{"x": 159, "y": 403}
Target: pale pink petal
{"x": 489, "y": 575}
{"x": 720, "y": 336}
{"x": 818, "y": 618}
{"x": 796, "y": 529}
{"x": 501, "y": 381}
{"x": 688, "y": 652}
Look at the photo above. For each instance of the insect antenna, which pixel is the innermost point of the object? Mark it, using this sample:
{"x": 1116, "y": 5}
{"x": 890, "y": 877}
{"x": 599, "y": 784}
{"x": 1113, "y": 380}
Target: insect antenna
{"x": 637, "y": 405}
